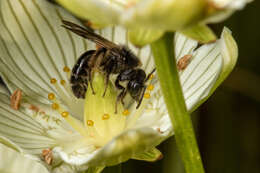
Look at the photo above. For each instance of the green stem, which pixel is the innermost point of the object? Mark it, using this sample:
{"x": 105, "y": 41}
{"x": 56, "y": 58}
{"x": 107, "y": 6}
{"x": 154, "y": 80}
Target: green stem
{"x": 169, "y": 80}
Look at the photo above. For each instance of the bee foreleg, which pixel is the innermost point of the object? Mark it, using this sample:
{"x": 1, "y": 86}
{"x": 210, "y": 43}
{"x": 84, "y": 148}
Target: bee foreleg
{"x": 120, "y": 97}
{"x": 90, "y": 73}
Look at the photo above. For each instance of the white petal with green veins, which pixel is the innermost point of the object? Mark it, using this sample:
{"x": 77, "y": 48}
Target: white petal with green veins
{"x": 14, "y": 162}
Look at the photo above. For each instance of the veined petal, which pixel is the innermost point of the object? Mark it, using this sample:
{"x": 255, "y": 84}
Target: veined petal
{"x": 229, "y": 52}
{"x": 10, "y": 144}
{"x": 35, "y": 48}
{"x": 118, "y": 150}
{"x": 33, "y": 127}
{"x": 14, "y": 162}
{"x": 209, "y": 65}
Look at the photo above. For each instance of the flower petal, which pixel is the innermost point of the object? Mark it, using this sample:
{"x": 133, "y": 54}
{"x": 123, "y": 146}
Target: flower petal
{"x": 209, "y": 66}
{"x": 229, "y": 52}
{"x": 120, "y": 149}
{"x": 98, "y": 11}
{"x": 201, "y": 73}
{"x": 12, "y": 161}
{"x": 35, "y": 48}
{"x": 33, "y": 127}
{"x": 201, "y": 33}
{"x": 151, "y": 155}
{"x": 141, "y": 36}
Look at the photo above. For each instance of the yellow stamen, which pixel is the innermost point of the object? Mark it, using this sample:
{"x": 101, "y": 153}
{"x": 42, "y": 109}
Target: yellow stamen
{"x": 66, "y": 69}
{"x": 64, "y": 114}
{"x": 90, "y": 122}
{"x": 62, "y": 82}
{"x": 147, "y": 95}
{"x": 150, "y": 87}
{"x": 151, "y": 77}
{"x": 105, "y": 117}
{"x": 55, "y": 106}
{"x": 51, "y": 96}
{"x": 53, "y": 80}
{"x": 126, "y": 112}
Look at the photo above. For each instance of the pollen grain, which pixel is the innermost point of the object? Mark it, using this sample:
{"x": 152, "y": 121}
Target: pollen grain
{"x": 55, "y": 106}
{"x": 66, "y": 69}
{"x": 126, "y": 112}
{"x": 62, "y": 82}
{"x": 147, "y": 95}
{"x": 105, "y": 117}
{"x": 64, "y": 114}
{"x": 53, "y": 80}
{"x": 90, "y": 122}
{"x": 51, "y": 96}
{"x": 150, "y": 87}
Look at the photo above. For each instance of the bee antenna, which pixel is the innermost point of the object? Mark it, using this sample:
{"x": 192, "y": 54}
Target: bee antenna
{"x": 142, "y": 96}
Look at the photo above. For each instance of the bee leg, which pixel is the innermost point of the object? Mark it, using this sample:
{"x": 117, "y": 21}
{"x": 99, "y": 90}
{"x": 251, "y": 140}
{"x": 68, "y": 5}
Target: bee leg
{"x": 140, "y": 100}
{"x": 120, "y": 97}
{"x": 150, "y": 74}
{"x": 90, "y": 73}
{"x": 106, "y": 83}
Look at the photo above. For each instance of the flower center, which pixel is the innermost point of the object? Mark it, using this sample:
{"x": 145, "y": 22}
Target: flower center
{"x": 99, "y": 112}
{"x": 98, "y": 121}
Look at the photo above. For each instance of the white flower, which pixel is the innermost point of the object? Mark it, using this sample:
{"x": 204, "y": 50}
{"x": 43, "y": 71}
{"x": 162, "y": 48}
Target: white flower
{"x": 36, "y": 54}
{"x": 152, "y": 14}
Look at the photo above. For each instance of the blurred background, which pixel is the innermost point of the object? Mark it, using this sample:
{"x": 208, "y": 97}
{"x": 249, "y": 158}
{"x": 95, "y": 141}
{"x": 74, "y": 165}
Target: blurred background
{"x": 228, "y": 124}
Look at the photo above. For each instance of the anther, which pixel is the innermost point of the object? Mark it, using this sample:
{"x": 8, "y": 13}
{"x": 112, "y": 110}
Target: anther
{"x": 66, "y": 69}
{"x": 55, "y": 106}
{"x": 53, "y": 80}
{"x": 15, "y": 99}
{"x": 126, "y": 112}
{"x": 51, "y": 96}
{"x": 47, "y": 155}
{"x": 105, "y": 117}
{"x": 62, "y": 82}
{"x": 183, "y": 62}
{"x": 64, "y": 114}
{"x": 147, "y": 95}
{"x": 150, "y": 87}
{"x": 90, "y": 122}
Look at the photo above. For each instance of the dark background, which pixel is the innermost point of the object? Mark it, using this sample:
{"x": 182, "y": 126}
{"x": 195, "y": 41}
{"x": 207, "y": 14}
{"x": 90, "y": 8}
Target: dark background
{"x": 228, "y": 124}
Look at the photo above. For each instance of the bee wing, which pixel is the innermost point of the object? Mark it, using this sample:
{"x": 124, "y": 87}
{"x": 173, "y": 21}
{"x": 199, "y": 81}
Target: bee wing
{"x": 88, "y": 34}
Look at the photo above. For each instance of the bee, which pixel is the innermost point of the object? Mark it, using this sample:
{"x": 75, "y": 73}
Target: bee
{"x": 109, "y": 58}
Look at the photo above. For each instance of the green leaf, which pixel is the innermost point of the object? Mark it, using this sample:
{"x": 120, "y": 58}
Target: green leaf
{"x": 200, "y": 32}
{"x": 141, "y": 36}
{"x": 151, "y": 155}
